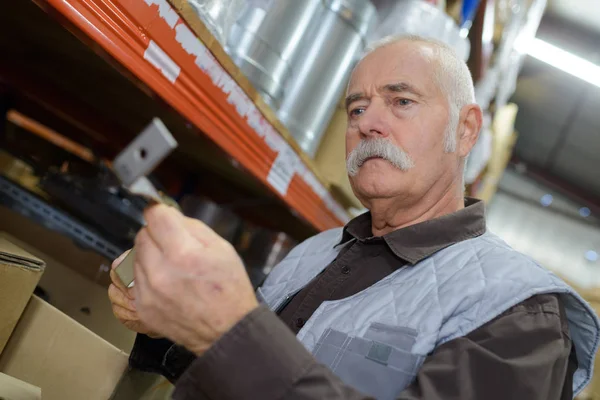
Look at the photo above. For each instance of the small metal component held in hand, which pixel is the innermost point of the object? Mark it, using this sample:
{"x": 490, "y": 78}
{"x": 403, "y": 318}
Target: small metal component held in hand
{"x": 132, "y": 165}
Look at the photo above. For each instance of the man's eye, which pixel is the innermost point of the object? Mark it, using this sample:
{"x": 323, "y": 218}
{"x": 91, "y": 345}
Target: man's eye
{"x": 356, "y": 112}
{"x": 404, "y": 102}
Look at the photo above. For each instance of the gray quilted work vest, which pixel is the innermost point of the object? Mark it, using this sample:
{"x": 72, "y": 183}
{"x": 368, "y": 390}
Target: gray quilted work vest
{"x": 377, "y": 339}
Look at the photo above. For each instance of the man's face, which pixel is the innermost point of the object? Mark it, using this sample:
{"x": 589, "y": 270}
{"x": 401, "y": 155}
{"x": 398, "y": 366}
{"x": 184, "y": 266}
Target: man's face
{"x": 393, "y": 96}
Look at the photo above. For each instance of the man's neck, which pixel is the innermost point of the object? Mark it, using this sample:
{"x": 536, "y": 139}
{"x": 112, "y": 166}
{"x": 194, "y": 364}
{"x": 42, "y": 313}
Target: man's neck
{"x": 388, "y": 215}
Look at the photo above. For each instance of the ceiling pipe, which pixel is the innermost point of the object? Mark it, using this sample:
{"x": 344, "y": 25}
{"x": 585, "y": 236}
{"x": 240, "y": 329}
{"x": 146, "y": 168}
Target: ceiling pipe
{"x": 553, "y": 182}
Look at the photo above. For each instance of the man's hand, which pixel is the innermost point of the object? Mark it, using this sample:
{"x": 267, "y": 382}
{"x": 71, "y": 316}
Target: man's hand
{"x": 123, "y": 302}
{"x": 190, "y": 284}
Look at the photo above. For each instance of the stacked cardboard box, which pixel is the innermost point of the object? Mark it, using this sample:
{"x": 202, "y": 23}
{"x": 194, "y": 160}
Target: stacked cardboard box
{"x": 76, "y": 350}
{"x": 19, "y": 274}
{"x": 15, "y": 389}
{"x": 66, "y": 360}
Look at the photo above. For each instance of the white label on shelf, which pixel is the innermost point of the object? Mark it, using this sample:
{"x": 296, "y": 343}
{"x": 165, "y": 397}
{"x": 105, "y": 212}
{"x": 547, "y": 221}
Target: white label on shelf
{"x": 240, "y": 101}
{"x": 256, "y": 120}
{"x": 274, "y": 139}
{"x": 208, "y": 63}
{"x": 283, "y": 169}
{"x": 157, "y": 57}
{"x": 188, "y": 40}
{"x": 165, "y": 11}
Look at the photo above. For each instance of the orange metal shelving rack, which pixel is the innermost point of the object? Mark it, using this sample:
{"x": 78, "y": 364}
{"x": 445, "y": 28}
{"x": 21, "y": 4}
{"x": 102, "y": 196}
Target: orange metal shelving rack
{"x": 152, "y": 40}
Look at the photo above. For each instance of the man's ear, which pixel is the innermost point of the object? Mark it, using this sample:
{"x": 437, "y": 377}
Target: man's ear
{"x": 471, "y": 118}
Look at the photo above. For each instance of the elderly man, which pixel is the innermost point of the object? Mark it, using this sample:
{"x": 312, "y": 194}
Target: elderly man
{"x": 412, "y": 300}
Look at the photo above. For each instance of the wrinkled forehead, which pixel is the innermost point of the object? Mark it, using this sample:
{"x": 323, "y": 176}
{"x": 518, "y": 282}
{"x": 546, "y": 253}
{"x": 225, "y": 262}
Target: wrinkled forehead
{"x": 410, "y": 62}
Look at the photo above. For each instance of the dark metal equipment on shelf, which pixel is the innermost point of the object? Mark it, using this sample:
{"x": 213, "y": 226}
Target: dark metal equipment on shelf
{"x": 21, "y": 200}
{"x": 98, "y": 214}
{"x": 98, "y": 201}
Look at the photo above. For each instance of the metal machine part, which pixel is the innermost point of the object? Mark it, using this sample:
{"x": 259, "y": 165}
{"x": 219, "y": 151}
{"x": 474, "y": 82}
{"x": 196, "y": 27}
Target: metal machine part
{"x": 265, "y": 43}
{"x": 139, "y": 158}
{"x": 146, "y": 151}
{"x": 339, "y": 33}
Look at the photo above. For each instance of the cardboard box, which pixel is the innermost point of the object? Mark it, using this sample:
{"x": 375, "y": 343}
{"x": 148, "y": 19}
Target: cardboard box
{"x": 60, "y": 247}
{"x": 72, "y": 286}
{"x": 76, "y": 295}
{"x": 66, "y": 360}
{"x": 19, "y": 274}
{"x": 15, "y": 389}
{"x": 80, "y": 298}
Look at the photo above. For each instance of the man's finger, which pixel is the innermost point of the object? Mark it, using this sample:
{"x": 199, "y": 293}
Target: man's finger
{"x": 166, "y": 226}
{"x": 125, "y": 314}
{"x": 148, "y": 258}
{"x": 200, "y": 231}
{"x": 140, "y": 289}
{"x": 148, "y": 252}
{"x": 117, "y": 297}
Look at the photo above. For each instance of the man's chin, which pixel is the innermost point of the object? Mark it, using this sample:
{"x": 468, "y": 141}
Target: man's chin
{"x": 373, "y": 191}
{"x": 376, "y": 182}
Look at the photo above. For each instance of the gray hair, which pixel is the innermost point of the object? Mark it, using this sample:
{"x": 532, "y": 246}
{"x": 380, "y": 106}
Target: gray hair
{"x": 377, "y": 147}
{"x": 451, "y": 73}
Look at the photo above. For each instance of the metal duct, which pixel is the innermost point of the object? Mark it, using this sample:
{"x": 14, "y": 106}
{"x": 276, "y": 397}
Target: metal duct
{"x": 322, "y": 65}
{"x": 263, "y": 44}
{"x": 417, "y": 17}
{"x": 218, "y": 15}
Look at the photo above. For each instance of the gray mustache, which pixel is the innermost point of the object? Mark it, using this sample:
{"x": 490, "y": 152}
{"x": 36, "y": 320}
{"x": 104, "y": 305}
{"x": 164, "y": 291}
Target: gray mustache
{"x": 377, "y": 147}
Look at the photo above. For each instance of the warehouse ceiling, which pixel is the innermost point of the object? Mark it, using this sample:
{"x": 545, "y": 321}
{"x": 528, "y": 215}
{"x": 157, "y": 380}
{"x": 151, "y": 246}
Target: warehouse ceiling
{"x": 559, "y": 115}
{"x": 585, "y": 13}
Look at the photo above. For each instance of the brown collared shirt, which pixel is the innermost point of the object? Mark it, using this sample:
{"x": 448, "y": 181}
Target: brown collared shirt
{"x": 525, "y": 353}
{"x": 366, "y": 259}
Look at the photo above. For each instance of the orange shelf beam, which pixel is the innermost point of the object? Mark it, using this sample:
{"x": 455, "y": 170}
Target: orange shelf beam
{"x": 151, "y": 40}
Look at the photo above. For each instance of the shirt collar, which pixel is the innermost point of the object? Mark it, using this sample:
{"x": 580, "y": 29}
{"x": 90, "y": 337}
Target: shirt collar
{"x": 417, "y": 242}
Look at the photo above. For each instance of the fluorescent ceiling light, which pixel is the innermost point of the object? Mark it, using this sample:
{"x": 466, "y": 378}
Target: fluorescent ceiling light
{"x": 563, "y": 60}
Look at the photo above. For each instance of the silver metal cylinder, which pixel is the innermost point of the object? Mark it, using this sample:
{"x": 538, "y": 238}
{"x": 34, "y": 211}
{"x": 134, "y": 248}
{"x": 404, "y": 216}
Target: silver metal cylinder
{"x": 417, "y": 17}
{"x": 218, "y": 15}
{"x": 321, "y": 68}
{"x": 264, "y": 44}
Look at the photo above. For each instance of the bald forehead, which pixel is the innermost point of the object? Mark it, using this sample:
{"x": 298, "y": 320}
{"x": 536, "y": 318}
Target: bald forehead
{"x": 402, "y": 60}
{"x": 401, "y": 50}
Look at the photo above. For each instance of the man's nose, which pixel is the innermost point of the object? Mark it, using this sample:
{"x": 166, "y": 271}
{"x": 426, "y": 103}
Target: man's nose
{"x": 372, "y": 122}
